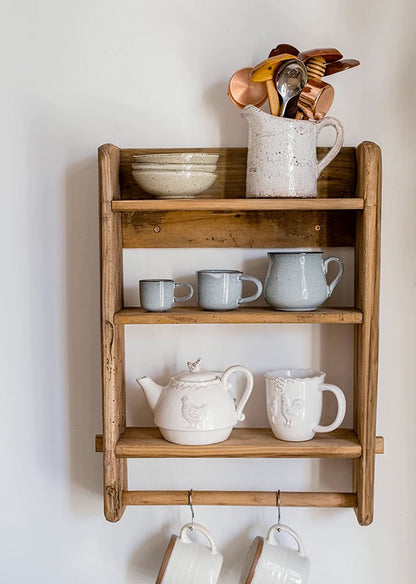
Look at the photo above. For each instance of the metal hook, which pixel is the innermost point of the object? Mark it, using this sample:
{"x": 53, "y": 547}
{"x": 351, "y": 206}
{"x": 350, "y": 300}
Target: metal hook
{"x": 190, "y": 505}
{"x": 278, "y": 507}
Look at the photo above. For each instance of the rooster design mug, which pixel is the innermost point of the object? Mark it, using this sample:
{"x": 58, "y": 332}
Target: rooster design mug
{"x": 294, "y": 403}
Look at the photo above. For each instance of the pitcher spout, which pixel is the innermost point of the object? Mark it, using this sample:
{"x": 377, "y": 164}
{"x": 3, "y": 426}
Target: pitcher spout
{"x": 152, "y": 391}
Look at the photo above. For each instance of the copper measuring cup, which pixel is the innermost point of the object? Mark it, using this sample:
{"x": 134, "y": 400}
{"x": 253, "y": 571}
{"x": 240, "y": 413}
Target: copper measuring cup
{"x": 243, "y": 91}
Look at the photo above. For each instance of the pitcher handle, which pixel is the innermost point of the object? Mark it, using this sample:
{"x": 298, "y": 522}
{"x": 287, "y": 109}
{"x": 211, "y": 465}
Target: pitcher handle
{"x": 256, "y": 294}
{"x": 247, "y": 391}
{"x": 331, "y": 286}
{"x": 339, "y": 394}
{"x": 329, "y": 156}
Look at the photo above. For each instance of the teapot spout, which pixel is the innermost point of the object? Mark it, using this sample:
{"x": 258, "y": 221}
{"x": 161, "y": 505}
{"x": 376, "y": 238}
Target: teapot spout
{"x": 152, "y": 391}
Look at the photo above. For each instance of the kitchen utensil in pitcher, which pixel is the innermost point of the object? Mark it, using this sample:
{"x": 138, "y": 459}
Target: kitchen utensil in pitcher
{"x": 316, "y": 99}
{"x": 283, "y": 48}
{"x": 338, "y": 66}
{"x": 243, "y": 91}
{"x": 290, "y": 79}
{"x": 264, "y": 72}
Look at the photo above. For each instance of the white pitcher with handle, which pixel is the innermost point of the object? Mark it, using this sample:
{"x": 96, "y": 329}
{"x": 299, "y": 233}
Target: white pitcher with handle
{"x": 281, "y": 157}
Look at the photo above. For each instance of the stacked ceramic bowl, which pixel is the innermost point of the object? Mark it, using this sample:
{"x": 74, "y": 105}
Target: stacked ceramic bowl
{"x": 175, "y": 175}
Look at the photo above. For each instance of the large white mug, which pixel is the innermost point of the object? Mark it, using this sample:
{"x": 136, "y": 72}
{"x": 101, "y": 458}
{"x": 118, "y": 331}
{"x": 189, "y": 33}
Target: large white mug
{"x": 294, "y": 403}
{"x": 268, "y": 562}
{"x": 281, "y": 157}
{"x": 189, "y": 562}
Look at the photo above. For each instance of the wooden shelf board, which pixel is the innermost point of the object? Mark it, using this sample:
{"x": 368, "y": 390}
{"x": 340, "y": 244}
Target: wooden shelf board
{"x": 259, "y": 315}
{"x": 315, "y": 204}
{"x": 243, "y": 443}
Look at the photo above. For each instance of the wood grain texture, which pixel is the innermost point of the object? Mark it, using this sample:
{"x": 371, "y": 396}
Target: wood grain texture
{"x": 337, "y": 179}
{"x": 113, "y": 386}
{"x": 367, "y": 280}
{"x": 241, "y": 498}
{"x": 243, "y": 443}
{"x": 191, "y": 315}
{"x": 245, "y": 229}
{"x": 239, "y": 205}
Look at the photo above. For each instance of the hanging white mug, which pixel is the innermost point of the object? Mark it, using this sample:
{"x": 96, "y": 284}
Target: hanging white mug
{"x": 268, "y": 562}
{"x": 281, "y": 157}
{"x": 190, "y": 562}
{"x": 294, "y": 403}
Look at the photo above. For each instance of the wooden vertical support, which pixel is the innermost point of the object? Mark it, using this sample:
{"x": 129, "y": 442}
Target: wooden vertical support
{"x": 113, "y": 382}
{"x": 367, "y": 284}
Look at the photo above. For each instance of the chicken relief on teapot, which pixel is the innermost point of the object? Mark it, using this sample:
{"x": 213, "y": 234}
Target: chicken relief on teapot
{"x": 196, "y": 406}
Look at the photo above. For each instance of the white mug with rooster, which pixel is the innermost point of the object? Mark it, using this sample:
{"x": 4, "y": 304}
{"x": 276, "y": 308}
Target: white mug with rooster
{"x": 294, "y": 403}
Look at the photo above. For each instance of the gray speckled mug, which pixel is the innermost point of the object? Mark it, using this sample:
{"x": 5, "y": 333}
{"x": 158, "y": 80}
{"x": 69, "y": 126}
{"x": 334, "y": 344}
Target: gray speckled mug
{"x": 297, "y": 280}
{"x": 159, "y": 295}
{"x": 222, "y": 289}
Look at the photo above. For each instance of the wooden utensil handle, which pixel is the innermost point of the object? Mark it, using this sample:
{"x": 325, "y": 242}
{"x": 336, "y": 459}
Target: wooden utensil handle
{"x": 272, "y": 97}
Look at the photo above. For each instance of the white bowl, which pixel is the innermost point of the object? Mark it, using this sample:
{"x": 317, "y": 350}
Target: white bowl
{"x": 198, "y": 167}
{"x": 178, "y": 158}
{"x": 174, "y": 184}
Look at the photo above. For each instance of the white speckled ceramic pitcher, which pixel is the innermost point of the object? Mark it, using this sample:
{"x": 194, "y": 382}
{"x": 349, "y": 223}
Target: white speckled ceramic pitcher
{"x": 281, "y": 158}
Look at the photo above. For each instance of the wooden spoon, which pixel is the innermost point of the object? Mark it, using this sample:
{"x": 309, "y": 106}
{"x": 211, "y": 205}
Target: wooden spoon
{"x": 264, "y": 73}
{"x": 280, "y": 49}
{"x": 338, "y": 66}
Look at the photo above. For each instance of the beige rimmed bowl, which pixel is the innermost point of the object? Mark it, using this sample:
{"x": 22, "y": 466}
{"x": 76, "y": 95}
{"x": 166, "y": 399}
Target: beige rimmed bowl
{"x": 174, "y": 184}
{"x": 139, "y": 166}
{"x": 178, "y": 158}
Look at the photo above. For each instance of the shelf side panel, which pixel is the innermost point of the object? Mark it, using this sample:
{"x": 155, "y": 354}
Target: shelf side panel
{"x": 336, "y": 180}
{"x": 367, "y": 266}
{"x": 253, "y": 229}
{"x": 112, "y": 335}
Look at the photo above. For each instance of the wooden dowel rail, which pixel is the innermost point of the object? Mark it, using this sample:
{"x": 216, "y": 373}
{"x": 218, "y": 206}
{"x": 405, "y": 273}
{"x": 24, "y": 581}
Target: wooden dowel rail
{"x": 240, "y": 498}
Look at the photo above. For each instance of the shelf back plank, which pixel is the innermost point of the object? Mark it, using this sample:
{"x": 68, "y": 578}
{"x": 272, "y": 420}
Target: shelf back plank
{"x": 112, "y": 335}
{"x": 367, "y": 278}
{"x": 253, "y": 229}
{"x": 336, "y": 180}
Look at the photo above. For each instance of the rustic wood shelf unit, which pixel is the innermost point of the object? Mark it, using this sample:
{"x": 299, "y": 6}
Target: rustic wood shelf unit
{"x": 346, "y": 213}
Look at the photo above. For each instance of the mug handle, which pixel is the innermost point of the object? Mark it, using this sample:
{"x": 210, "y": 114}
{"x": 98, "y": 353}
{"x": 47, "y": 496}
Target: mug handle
{"x": 256, "y": 294}
{"x": 331, "y": 286}
{"x": 188, "y": 296}
{"x": 195, "y": 526}
{"x": 247, "y": 391}
{"x": 329, "y": 156}
{"x": 341, "y": 407}
{"x": 279, "y": 527}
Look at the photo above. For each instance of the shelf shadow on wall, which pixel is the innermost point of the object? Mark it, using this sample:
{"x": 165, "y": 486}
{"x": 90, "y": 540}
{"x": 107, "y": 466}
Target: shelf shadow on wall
{"x": 83, "y": 332}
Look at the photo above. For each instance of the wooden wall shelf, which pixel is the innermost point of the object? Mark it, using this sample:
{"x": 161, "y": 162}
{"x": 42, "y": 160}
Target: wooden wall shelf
{"x": 346, "y": 213}
{"x": 243, "y": 443}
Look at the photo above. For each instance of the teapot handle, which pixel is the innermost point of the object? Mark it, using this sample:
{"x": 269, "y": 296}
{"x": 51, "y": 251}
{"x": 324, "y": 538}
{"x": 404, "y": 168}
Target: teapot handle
{"x": 247, "y": 391}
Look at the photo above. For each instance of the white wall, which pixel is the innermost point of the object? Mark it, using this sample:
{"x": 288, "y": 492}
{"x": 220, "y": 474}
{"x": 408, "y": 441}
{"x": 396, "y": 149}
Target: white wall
{"x": 154, "y": 74}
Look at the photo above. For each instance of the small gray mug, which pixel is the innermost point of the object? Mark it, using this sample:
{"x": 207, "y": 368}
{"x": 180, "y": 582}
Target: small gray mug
{"x": 159, "y": 295}
{"x": 222, "y": 289}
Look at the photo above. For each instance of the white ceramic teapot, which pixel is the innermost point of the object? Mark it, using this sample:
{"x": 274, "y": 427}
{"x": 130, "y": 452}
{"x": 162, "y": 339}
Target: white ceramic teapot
{"x": 196, "y": 406}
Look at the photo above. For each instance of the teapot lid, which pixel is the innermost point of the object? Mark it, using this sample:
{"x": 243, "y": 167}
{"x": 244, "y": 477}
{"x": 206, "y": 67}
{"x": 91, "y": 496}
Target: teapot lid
{"x": 196, "y": 373}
